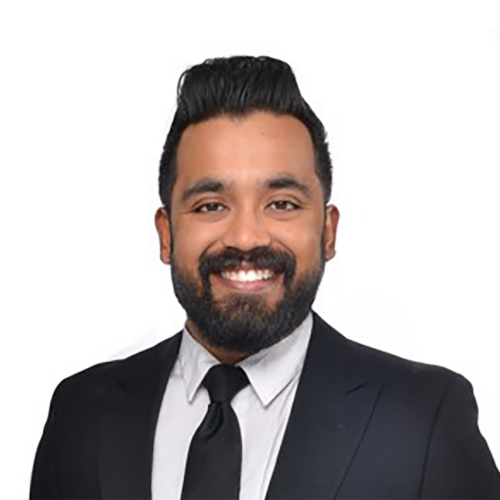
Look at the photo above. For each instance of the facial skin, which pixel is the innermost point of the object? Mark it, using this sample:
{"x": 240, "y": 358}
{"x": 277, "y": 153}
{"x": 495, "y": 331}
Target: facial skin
{"x": 240, "y": 218}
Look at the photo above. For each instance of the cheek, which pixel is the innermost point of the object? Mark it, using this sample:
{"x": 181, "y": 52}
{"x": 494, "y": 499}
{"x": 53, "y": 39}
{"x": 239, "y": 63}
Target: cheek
{"x": 304, "y": 242}
{"x": 190, "y": 242}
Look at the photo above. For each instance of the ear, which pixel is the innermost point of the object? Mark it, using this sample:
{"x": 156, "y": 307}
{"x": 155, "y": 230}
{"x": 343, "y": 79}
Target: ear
{"x": 332, "y": 215}
{"x": 162, "y": 224}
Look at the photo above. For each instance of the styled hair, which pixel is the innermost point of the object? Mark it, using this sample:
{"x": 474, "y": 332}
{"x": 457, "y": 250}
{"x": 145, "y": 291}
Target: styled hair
{"x": 235, "y": 87}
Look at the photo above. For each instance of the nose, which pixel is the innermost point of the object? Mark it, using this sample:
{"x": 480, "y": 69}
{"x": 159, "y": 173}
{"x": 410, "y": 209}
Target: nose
{"x": 246, "y": 231}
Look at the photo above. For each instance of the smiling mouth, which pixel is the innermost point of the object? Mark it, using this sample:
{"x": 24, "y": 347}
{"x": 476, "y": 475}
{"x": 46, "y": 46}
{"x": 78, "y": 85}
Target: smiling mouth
{"x": 248, "y": 276}
{"x": 249, "y": 279}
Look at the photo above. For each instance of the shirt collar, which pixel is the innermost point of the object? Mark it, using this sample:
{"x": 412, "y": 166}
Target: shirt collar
{"x": 269, "y": 371}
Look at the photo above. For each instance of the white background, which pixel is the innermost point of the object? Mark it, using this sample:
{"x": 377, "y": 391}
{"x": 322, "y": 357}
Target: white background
{"x": 410, "y": 95}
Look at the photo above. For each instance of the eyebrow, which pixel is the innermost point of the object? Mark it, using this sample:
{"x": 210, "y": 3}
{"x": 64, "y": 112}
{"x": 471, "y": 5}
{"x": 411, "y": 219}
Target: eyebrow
{"x": 288, "y": 182}
{"x": 214, "y": 185}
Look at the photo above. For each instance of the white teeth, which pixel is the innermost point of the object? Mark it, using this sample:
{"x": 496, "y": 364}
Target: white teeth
{"x": 251, "y": 275}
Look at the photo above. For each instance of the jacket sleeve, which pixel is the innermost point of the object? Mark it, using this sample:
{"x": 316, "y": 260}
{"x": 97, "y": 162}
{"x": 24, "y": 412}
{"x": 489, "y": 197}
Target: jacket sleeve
{"x": 459, "y": 463}
{"x": 44, "y": 475}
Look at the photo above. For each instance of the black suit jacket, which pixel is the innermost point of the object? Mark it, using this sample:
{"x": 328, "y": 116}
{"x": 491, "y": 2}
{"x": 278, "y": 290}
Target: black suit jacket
{"x": 364, "y": 425}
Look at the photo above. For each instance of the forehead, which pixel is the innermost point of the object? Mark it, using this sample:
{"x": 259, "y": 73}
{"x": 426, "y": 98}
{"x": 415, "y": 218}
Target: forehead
{"x": 245, "y": 150}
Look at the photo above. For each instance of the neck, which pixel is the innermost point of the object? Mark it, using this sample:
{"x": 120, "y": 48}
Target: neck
{"x": 223, "y": 355}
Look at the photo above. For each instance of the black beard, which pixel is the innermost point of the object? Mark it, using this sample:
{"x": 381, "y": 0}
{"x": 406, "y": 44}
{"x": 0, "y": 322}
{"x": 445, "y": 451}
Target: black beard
{"x": 243, "y": 323}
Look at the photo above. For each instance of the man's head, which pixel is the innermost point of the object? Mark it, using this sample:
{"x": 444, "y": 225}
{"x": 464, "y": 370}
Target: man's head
{"x": 245, "y": 177}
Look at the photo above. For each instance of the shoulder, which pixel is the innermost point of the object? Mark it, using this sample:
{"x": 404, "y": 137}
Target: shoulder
{"x": 414, "y": 385}
{"x": 93, "y": 382}
{"x": 412, "y": 396}
{"x": 392, "y": 368}
{"x": 399, "y": 376}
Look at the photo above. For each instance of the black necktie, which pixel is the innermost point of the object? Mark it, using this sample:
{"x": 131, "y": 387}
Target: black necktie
{"x": 213, "y": 467}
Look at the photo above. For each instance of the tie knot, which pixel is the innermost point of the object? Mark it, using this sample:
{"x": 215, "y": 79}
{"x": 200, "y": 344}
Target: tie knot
{"x": 223, "y": 382}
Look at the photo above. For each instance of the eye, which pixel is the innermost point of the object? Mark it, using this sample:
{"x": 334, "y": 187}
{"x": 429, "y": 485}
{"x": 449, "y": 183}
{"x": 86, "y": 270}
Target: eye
{"x": 213, "y": 206}
{"x": 209, "y": 207}
{"x": 281, "y": 204}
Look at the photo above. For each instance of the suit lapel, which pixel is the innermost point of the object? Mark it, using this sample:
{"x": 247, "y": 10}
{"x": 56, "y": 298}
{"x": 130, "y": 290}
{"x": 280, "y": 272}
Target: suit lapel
{"x": 129, "y": 421}
{"x": 331, "y": 410}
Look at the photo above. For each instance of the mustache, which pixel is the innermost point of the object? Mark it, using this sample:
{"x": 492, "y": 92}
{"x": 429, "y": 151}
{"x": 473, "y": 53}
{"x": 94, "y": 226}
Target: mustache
{"x": 260, "y": 257}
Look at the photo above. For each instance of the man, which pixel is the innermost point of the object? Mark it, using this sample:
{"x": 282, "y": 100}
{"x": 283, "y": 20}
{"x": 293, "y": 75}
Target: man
{"x": 257, "y": 397}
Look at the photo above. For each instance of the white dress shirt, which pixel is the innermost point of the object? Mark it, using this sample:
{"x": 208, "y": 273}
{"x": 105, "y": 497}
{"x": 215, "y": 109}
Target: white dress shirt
{"x": 262, "y": 408}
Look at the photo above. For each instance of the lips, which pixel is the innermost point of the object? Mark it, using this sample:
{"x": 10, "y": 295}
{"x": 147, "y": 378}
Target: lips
{"x": 248, "y": 278}
{"x": 248, "y": 275}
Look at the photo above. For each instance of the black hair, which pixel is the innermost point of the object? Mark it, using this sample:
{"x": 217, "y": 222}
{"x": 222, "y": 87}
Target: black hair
{"x": 237, "y": 86}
